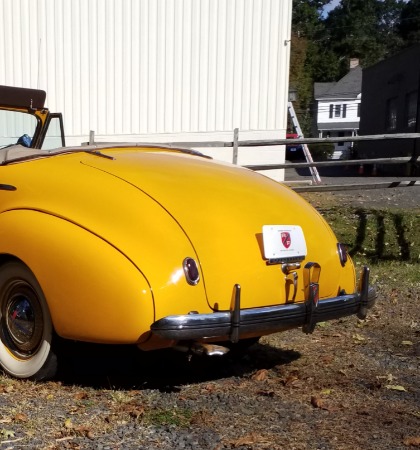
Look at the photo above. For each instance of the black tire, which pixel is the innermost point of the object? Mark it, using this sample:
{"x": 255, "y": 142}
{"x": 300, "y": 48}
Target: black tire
{"x": 26, "y": 329}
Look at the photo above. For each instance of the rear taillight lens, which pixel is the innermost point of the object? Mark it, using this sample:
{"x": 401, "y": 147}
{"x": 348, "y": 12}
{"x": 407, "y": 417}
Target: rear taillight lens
{"x": 191, "y": 271}
{"x": 342, "y": 253}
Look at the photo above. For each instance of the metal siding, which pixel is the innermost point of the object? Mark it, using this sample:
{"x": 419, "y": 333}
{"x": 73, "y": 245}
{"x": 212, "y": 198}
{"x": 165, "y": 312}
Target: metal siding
{"x": 130, "y": 67}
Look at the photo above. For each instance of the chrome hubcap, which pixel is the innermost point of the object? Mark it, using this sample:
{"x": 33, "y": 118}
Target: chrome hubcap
{"x": 22, "y": 317}
{"x": 20, "y": 320}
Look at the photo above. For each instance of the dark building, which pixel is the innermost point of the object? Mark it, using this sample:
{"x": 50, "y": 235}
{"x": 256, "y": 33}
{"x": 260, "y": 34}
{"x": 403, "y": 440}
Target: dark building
{"x": 390, "y": 98}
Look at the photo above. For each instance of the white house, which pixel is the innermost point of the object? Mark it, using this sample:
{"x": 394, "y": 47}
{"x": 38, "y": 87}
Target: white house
{"x": 156, "y": 70}
{"x": 338, "y": 108}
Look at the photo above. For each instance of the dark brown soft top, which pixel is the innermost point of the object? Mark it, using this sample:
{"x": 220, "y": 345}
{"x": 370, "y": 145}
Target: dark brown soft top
{"x": 22, "y": 97}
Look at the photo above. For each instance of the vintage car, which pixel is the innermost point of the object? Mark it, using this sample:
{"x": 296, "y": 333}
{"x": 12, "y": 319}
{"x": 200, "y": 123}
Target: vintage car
{"x": 152, "y": 246}
{"x": 294, "y": 152}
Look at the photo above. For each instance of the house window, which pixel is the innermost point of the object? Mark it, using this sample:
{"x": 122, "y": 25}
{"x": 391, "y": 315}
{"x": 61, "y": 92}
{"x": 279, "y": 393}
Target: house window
{"x": 358, "y": 109}
{"x": 391, "y": 114}
{"x": 337, "y": 111}
{"x": 411, "y": 109}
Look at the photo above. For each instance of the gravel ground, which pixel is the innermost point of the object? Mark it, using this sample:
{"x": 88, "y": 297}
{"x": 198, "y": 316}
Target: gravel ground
{"x": 350, "y": 385}
{"x": 368, "y": 196}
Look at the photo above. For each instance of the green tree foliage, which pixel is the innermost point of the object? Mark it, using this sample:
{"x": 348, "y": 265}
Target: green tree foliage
{"x": 365, "y": 29}
{"x": 306, "y": 26}
{"x": 409, "y": 26}
{"x": 322, "y": 46}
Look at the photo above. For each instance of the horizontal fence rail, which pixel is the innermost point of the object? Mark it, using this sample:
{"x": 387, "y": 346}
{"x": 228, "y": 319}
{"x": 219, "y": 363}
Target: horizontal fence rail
{"x": 334, "y": 140}
{"x": 310, "y": 164}
{"x": 236, "y": 144}
{"x": 347, "y": 162}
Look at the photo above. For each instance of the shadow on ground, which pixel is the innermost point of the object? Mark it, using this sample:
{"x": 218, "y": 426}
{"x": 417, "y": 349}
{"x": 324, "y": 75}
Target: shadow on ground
{"x": 334, "y": 171}
{"x": 125, "y": 367}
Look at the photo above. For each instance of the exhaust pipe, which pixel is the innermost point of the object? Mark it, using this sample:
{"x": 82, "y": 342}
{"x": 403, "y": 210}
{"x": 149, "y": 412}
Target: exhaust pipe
{"x": 200, "y": 348}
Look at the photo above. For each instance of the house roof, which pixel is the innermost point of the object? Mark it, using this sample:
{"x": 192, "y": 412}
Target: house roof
{"x": 350, "y": 86}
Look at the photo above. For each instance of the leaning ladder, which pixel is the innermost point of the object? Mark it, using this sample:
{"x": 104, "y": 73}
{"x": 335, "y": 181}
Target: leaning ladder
{"x": 314, "y": 172}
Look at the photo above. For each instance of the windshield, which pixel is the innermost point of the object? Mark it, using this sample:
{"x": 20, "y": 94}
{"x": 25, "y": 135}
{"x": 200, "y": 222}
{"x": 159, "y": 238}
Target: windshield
{"x": 16, "y": 128}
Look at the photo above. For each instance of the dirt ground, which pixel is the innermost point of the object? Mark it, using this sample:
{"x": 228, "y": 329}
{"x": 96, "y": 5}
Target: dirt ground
{"x": 350, "y": 385}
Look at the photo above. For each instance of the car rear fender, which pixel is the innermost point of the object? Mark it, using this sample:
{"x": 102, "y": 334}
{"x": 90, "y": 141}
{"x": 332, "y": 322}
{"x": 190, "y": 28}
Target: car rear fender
{"x": 94, "y": 292}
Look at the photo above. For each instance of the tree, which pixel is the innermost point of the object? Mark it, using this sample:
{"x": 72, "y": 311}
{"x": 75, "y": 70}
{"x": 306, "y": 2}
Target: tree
{"x": 307, "y": 26}
{"x": 365, "y": 29}
{"x": 369, "y": 30}
{"x": 409, "y": 26}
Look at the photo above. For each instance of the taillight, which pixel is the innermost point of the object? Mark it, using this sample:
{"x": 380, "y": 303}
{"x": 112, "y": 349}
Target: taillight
{"x": 191, "y": 271}
{"x": 342, "y": 253}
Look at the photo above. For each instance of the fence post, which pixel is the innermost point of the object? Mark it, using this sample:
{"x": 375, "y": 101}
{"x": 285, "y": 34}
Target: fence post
{"x": 235, "y": 145}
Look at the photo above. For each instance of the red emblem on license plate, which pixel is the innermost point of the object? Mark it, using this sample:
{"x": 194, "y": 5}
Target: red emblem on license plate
{"x": 286, "y": 239}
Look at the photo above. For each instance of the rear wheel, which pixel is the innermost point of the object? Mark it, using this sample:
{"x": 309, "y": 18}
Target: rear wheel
{"x": 25, "y": 325}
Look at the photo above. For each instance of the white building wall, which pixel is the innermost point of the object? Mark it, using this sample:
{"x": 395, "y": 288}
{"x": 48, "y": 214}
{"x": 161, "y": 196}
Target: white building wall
{"x": 155, "y": 70}
{"x": 351, "y": 111}
{"x": 342, "y": 150}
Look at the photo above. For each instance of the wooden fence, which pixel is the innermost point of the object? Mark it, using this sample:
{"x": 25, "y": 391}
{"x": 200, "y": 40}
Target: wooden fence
{"x": 317, "y": 183}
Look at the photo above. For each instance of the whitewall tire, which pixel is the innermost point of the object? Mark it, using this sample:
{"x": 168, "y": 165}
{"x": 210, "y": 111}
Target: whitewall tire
{"x": 25, "y": 325}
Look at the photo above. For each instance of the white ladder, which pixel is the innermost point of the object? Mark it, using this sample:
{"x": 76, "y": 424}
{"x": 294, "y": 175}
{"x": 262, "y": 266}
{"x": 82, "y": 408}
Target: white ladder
{"x": 314, "y": 172}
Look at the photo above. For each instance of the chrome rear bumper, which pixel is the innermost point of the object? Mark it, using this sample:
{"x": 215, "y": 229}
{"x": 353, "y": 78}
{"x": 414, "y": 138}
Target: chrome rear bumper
{"x": 234, "y": 324}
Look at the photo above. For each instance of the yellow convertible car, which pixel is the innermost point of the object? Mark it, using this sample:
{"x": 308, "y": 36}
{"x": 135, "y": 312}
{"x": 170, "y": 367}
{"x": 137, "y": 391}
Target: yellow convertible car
{"x": 151, "y": 246}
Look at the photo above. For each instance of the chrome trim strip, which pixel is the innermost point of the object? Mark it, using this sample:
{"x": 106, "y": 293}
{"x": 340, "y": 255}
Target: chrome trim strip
{"x": 258, "y": 321}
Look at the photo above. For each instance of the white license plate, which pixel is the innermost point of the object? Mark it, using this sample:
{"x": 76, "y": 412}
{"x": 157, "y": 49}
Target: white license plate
{"x": 284, "y": 243}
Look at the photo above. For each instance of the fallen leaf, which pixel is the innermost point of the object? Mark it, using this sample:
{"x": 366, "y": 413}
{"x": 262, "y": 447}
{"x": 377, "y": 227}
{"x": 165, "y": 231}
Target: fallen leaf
{"x": 388, "y": 377}
{"x": 260, "y": 375}
{"x": 68, "y": 424}
{"x": 7, "y": 433}
{"x": 395, "y": 387}
{"x": 6, "y": 388}
{"x": 84, "y": 431}
{"x": 412, "y": 441}
{"x": 6, "y": 420}
{"x": 90, "y": 435}
{"x": 358, "y": 338}
{"x": 81, "y": 396}
{"x": 407, "y": 343}
{"x": 20, "y": 417}
{"x": 136, "y": 412}
{"x": 248, "y": 440}
{"x": 291, "y": 380}
{"x": 317, "y": 402}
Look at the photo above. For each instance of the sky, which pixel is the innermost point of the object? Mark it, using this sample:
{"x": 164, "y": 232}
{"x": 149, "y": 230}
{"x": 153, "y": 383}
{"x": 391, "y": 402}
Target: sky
{"x": 330, "y": 6}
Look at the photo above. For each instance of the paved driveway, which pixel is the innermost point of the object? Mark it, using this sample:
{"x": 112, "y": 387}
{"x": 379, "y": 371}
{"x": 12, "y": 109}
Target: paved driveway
{"x": 368, "y": 194}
